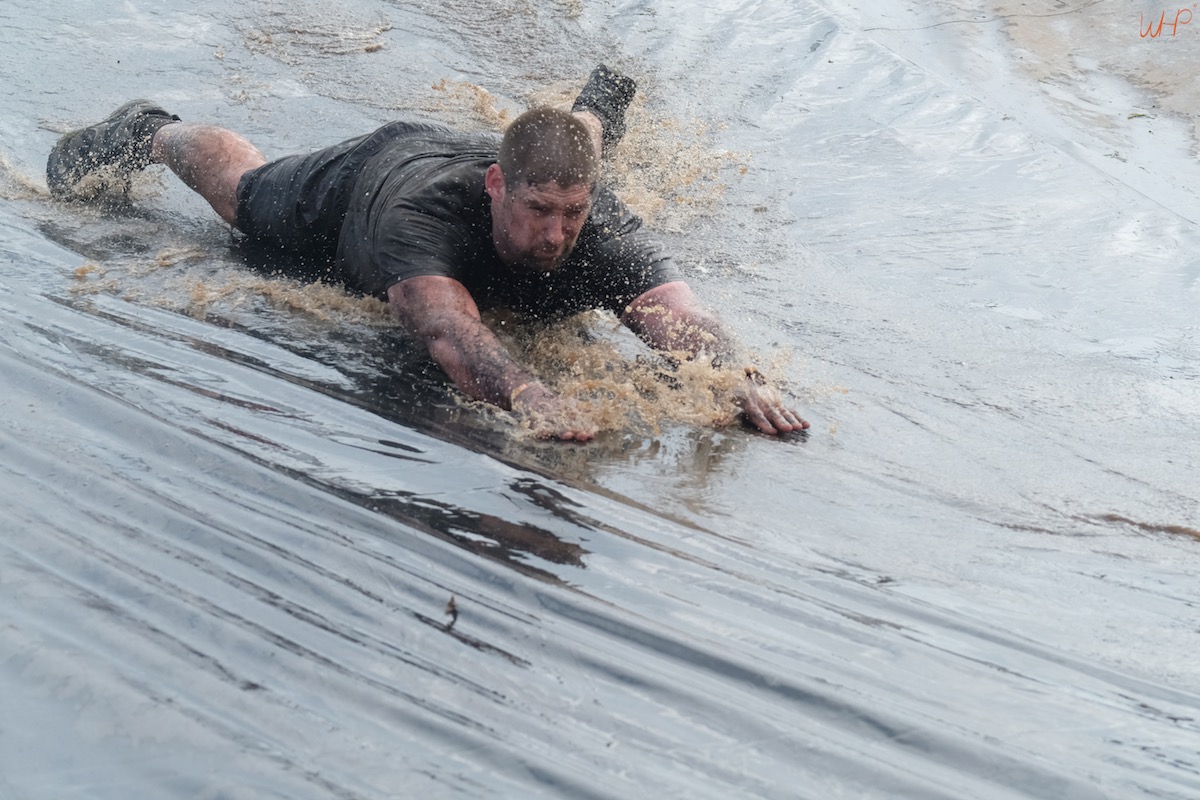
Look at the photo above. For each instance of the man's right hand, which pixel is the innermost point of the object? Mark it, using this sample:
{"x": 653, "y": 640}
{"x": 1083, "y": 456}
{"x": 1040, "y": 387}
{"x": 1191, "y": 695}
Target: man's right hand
{"x": 550, "y": 415}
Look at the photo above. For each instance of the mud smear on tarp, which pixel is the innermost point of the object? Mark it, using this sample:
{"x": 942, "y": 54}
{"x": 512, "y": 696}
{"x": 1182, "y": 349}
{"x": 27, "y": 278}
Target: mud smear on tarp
{"x": 326, "y": 46}
{"x": 1147, "y": 527}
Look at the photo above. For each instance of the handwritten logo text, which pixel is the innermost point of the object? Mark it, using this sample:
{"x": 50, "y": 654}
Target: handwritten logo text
{"x": 1182, "y": 17}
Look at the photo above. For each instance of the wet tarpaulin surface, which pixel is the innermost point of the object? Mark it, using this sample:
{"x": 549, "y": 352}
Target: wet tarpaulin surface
{"x": 235, "y": 510}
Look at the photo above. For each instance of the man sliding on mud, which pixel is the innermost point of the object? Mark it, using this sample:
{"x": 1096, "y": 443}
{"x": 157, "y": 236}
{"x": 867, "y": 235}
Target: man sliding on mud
{"x": 441, "y": 223}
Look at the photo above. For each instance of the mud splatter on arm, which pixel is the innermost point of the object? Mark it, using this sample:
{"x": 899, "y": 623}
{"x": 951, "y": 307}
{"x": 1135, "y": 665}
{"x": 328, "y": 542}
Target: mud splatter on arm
{"x": 672, "y": 319}
{"x": 443, "y": 314}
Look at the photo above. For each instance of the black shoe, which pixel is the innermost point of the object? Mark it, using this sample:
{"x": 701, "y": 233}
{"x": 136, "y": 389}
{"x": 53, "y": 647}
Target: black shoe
{"x": 607, "y": 94}
{"x": 100, "y": 158}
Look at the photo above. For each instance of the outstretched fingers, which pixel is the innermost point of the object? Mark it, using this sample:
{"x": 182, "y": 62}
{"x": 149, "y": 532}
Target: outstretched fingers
{"x": 568, "y": 435}
{"x": 763, "y": 408}
{"x": 785, "y": 421}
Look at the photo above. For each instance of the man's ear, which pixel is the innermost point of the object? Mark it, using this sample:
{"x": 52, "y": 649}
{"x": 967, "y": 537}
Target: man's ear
{"x": 493, "y": 181}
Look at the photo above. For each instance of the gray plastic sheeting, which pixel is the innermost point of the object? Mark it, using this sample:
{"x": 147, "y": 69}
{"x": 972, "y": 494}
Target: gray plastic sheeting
{"x": 229, "y": 542}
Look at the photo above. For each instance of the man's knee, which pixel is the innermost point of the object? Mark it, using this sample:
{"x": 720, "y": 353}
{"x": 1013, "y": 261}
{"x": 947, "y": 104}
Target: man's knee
{"x": 210, "y": 160}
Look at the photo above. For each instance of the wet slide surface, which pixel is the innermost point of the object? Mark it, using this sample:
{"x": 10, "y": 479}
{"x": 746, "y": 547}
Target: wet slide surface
{"x": 235, "y": 509}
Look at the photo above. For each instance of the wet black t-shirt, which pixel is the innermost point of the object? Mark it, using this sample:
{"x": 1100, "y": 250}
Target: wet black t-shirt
{"x": 419, "y": 207}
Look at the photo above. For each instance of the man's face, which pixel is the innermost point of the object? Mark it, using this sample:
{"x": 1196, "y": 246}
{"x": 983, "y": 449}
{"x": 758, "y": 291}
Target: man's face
{"x": 535, "y": 227}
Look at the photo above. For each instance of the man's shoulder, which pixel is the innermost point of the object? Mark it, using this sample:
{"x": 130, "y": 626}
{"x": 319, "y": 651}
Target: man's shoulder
{"x": 415, "y": 154}
{"x": 423, "y": 162}
{"x": 433, "y": 139}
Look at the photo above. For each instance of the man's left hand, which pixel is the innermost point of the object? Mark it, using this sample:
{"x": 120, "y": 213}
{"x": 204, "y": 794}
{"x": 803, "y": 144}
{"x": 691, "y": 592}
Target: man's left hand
{"x": 763, "y": 407}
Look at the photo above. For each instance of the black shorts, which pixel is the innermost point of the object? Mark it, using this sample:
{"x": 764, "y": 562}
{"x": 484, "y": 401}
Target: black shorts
{"x": 296, "y": 205}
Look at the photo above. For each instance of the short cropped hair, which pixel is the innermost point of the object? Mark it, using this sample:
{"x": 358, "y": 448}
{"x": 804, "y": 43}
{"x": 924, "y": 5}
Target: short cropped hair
{"x": 546, "y": 145}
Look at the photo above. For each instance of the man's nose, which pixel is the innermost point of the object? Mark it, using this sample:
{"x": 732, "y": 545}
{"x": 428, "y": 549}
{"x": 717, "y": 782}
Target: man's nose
{"x": 556, "y": 230}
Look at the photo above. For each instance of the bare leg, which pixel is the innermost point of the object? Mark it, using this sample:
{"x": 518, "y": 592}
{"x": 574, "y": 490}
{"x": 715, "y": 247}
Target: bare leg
{"x": 209, "y": 159}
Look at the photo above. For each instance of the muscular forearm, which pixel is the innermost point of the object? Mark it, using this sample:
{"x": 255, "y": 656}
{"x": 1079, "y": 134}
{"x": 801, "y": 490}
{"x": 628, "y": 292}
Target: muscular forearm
{"x": 670, "y": 318}
{"x": 483, "y": 369}
{"x": 443, "y": 315}
{"x": 441, "y": 312}
{"x": 471, "y": 355}
{"x": 694, "y": 332}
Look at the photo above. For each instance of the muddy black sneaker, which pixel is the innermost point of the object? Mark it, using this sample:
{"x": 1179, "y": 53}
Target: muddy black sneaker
{"x": 100, "y": 158}
{"x": 607, "y": 94}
